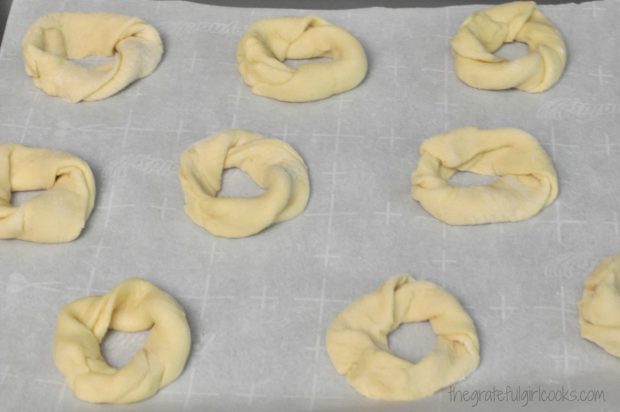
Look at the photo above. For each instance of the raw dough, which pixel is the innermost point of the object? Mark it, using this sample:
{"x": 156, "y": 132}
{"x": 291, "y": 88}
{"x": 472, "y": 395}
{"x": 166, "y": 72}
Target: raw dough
{"x": 527, "y": 182}
{"x": 272, "y": 163}
{"x": 268, "y": 42}
{"x": 56, "y": 215}
{"x": 357, "y": 341}
{"x": 599, "y": 308}
{"x": 134, "y": 305}
{"x": 484, "y": 32}
{"x": 54, "y": 39}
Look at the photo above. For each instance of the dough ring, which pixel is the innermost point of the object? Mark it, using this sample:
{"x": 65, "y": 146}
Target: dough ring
{"x": 357, "y": 341}
{"x": 527, "y": 181}
{"x": 272, "y": 163}
{"x": 268, "y": 42}
{"x": 599, "y": 308}
{"x": 133, "y": 305}
{"x": 54, "y": 216}
{"x": 53, "y": 40}
{"x": 484, "y": 32}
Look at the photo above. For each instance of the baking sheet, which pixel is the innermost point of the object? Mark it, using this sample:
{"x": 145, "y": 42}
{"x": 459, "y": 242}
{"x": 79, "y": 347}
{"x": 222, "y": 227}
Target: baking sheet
{"x": 259, "y": 307}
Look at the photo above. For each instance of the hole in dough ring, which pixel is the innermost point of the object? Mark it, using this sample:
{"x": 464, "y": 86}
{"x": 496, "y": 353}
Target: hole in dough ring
{"x": 268, "y": 42}
{"x": 527, "y": 181}
{"x": 54, "y": 39}
{"x": 357, "y": 341}
{"x": 484, "y": 32}
{"x": 133, "y": 305}
{"x": 271, "y": 163}
{"x": 599, "y": 308}
{"x": 56, "y": 215}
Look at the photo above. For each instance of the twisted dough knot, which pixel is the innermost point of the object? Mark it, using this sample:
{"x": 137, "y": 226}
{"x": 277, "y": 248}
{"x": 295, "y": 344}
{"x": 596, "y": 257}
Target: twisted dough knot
{"x": 484, "y": 32}
{"x": 271, "y": 163}
{"x": 527, "y": 182}
{"x": 599, "y": 308}
{"x": 56, "y": 215}
{"x": 134, "y": 305}
{"x": 268, "y": 42}
{"x": 54, "y": 39}
{"x": 357, "y": 341}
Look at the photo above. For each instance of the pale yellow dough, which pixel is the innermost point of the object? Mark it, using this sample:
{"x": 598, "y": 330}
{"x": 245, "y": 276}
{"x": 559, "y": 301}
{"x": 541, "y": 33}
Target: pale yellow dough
{"x": 357, "y": 341}
{"x": 599, "y": 308}
{"x": 485, "y": 31}
{"x": 527, "y": 180}
{"x": 53, "y": 40}
{"x": 56, "y": 215}
{"x": 273, "y": 164}
{"x": 134, "y": 305}
{"x": 268, "y": 42}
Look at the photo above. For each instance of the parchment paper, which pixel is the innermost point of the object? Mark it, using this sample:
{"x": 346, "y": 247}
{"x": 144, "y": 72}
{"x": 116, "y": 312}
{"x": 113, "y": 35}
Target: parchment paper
{"x": 259, "y": 307}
